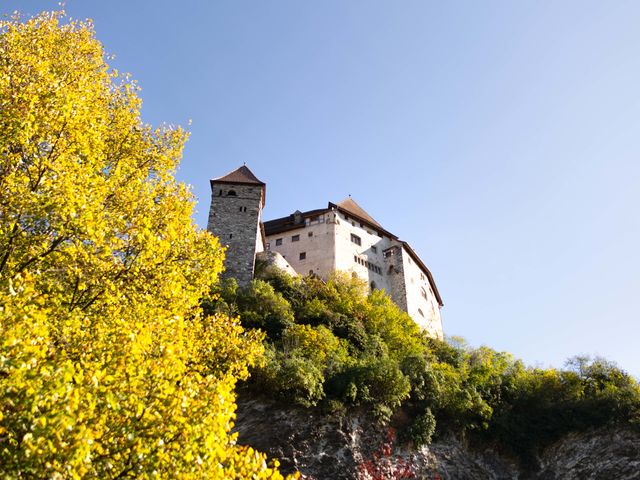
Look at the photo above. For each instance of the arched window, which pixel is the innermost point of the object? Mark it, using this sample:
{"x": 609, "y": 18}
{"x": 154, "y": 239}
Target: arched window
{"x": 232, "y": 193}
{"x": 373, "y": 286}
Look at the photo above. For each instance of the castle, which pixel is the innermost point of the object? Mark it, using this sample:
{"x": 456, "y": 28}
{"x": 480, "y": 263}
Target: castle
{"x": 341, "y": 236}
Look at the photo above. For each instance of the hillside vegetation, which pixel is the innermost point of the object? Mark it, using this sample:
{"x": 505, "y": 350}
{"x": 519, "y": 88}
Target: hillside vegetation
{"x": 335, "y": 346}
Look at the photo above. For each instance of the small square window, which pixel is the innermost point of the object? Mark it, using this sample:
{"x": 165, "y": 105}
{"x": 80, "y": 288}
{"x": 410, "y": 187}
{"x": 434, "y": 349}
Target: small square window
{"x": 374, "y": 249}
{"x": 356, "y": 239}
{"x": 295, "y": 238}
{"x": 303, "y": 255}
{"x": 278, "y": 241}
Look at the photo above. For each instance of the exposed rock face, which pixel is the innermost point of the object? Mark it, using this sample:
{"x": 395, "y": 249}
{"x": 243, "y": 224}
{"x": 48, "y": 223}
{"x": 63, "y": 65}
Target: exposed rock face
{"x": 333, "y": 447}
{"x": 606, "y": 454}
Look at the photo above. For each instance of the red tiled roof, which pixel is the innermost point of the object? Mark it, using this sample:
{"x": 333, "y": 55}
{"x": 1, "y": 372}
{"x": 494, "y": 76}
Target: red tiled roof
{"x": 239, "y": 175}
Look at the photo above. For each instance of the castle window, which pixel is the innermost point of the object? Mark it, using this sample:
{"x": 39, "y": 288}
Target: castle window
{"x": 278, "y": 242}
{"x": 423, "y": 292}
{"x": 268, "y": 247}
{"x": 295, "y": 238}
{"x": 310, "y": 234}
{"x": 421, "y": 276}
{"x": 231, "y": 235}
{"x": 353, "y": 224}
{"x": 356, "y": 239}
{"x": 355, "y": 259}
{"x": 374, "y": 249}
{"x": 231, "y": 193}
{"x": 373, "y": 286}
{"x": 303, "y": 255}
{"x": 220, "y": 192}
{"x": 420, "y": 312}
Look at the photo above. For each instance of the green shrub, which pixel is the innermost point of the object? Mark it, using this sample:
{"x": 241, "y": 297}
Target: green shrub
{"x": 423, "y": 428}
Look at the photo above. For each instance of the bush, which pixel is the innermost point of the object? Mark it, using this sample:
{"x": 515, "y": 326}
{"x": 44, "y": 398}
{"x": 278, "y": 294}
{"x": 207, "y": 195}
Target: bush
{"x": 423, "y": 428}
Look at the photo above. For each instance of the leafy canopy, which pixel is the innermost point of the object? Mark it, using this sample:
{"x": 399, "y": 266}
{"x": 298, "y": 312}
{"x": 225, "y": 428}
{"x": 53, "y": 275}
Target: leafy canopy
{"x": 335, "y": 345}
{"x": 107, "y": 366}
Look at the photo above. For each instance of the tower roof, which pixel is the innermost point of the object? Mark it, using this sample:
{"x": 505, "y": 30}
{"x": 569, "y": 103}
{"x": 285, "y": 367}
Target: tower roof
{"x": 239, "y": 175}
{"x": 352, "y": 207}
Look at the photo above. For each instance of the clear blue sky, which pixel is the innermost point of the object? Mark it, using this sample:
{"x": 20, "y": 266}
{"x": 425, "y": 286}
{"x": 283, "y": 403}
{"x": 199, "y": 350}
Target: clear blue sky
{"x": 500, "y": 138}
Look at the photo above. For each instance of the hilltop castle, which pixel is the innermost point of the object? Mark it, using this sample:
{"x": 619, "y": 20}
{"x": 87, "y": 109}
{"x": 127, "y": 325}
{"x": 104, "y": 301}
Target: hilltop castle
{"x": 341, "y": 236}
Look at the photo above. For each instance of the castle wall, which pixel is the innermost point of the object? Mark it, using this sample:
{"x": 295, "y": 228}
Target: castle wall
{"x": 336, "y": 241}
{"x": 394, "y": 271}
{"x": 234, "y": 217}
{"x": 421, "y": 303}
{"x": 362, "y": 255}
{"x": 315, "y": 242}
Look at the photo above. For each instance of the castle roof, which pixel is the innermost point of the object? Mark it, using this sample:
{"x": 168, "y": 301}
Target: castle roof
{"x": 240, "y": 175}
{"x": 349, "y": 205}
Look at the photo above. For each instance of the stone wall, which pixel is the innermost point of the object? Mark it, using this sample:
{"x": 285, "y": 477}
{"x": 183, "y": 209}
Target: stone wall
{"x": 234, "y": 217}
{"x": 394, "y": 270}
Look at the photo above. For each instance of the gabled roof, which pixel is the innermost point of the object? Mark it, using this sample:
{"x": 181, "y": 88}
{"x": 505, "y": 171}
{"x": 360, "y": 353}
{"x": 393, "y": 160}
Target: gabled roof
{"x": 240, "y": 175}
{"x": 349, "y": 205}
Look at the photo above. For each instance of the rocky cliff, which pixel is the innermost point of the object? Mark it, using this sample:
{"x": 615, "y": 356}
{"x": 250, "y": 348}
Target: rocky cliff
{"x": 338, "y": 447}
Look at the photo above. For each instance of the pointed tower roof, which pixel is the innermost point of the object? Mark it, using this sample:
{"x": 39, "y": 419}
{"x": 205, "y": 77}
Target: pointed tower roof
{"x": 240, "y": 175}
{"x": 349, "y": 205}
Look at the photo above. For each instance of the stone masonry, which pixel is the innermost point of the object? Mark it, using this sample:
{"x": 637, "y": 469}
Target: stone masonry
{"x": 235, "y": 218}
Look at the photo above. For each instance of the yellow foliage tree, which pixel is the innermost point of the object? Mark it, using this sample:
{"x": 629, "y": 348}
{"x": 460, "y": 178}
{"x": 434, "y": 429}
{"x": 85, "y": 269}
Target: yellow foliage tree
{"x": 107, "y": 367}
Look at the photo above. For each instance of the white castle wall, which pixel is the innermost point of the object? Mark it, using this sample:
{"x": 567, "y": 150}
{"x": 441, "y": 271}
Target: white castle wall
{"x": 422, "y": 305}
{"x": 316, "y": 239}
{"x": 327, "y": 245}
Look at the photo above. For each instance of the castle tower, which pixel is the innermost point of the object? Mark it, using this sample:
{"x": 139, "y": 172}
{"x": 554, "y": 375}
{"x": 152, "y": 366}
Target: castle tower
{"x": 235, "y": 217}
